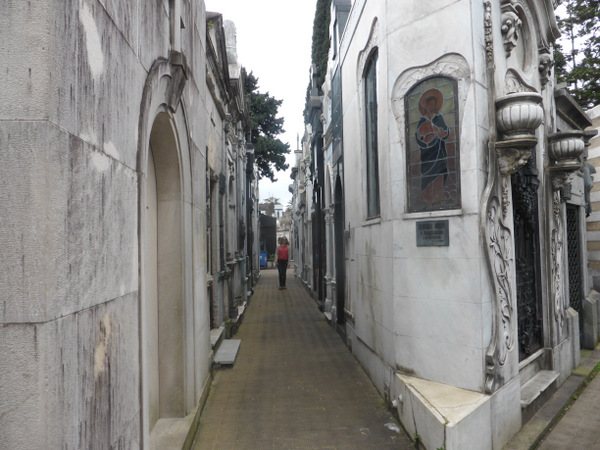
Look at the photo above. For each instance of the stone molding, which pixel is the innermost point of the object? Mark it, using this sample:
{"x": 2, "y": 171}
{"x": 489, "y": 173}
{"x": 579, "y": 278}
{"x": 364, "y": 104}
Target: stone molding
{"x": 365, "y": 53}
{"x": 452, "y": 65}
{"x": 162, "y": 91}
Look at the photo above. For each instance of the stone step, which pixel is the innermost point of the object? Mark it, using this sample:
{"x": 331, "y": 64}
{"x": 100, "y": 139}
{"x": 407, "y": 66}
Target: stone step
{"x": 227, "y": 352}
{"x": 216, "y": 336}
{"x": 536, "y": 391}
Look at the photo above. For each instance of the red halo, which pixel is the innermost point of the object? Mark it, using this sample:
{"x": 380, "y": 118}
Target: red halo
{"x": 436, "y": 94}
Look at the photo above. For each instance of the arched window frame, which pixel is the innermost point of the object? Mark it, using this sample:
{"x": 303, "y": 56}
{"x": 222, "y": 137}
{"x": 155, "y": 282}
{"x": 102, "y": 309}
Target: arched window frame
{"x": 371, "y": 135}
{"x": 421, "y": 193}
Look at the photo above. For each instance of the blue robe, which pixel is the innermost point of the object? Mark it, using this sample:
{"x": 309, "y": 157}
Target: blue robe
{"x": 433, "y": 154}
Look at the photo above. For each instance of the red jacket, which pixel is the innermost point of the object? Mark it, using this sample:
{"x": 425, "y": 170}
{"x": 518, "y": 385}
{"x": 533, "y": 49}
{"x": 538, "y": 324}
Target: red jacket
{"x": 282, "y": 252}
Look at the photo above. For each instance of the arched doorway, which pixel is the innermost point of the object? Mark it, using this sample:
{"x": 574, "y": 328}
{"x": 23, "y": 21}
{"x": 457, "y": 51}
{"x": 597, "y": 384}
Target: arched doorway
{"x": 163, "y": 296}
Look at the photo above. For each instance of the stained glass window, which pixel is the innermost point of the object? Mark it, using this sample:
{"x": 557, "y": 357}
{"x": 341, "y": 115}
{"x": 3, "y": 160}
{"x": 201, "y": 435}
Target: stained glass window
{"x": 433, "y": 163}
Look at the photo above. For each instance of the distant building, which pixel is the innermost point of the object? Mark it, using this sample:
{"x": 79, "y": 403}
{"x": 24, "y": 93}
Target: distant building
{"x": 268, "y": 235}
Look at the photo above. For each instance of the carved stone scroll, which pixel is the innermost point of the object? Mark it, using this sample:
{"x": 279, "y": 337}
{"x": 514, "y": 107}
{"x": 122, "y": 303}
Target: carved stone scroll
{"x": 556, "y": 250}
{"x": 498, "y": 243}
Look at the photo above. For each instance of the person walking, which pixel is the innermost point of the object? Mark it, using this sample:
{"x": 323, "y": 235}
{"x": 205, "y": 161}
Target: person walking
{"x": 282, "y": 261}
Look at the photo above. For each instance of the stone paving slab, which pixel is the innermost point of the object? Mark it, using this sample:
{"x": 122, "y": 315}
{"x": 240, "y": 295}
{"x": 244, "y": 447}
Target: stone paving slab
{"x": 546, "y": 429}
{"x": 579, "y": 428}
{"x": 227, "y": 351}
{"x": 294, "y": 385}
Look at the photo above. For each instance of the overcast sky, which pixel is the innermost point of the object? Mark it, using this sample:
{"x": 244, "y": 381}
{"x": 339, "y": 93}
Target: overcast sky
{"x": 274, "y": 41}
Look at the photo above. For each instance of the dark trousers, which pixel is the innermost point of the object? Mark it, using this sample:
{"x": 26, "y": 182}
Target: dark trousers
{"x": 282, "y": 266}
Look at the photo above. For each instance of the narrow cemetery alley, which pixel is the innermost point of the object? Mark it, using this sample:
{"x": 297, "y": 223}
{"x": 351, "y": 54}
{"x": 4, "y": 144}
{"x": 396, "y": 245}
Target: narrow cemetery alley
{"x": 294, "y": 384}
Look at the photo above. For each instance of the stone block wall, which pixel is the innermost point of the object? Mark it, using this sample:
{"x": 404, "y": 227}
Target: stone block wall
{"x": 75, "y": 81}
{"x": 593, "y": 221}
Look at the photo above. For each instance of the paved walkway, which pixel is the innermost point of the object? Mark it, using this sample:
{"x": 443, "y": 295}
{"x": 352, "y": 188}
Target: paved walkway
{"x": 294, "y": 384}
{"x": 562, "y": 423}
{"x": 579, "y": 428}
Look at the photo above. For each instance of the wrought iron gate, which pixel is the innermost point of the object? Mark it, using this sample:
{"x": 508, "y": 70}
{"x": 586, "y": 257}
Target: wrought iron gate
{"x": 526, "y": 228}
{"x": 574, "y": 257}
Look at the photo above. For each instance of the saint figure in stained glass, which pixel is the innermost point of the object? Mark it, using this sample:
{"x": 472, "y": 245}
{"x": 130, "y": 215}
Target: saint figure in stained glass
{"x": 431, "y": 135}
{"x": 432, "y": 146}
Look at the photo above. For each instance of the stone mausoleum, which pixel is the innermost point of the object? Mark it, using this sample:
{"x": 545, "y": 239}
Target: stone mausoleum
{"x": 449, "y": 190}
{"x": 128, "y": 209}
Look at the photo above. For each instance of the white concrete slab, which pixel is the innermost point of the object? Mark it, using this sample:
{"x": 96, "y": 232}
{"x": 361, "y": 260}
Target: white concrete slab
{"x": 227, "y": 351}
{"x": 536, "y": 386}
{"x": 215, "y": 335}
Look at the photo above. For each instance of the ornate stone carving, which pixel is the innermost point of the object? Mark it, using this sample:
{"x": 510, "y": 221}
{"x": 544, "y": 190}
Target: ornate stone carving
{"x": 518, "y": 115}
{"x": 505, "y": 197}
{"x": 556, "y": 249}
{"x": 513, "y": 82}
{"x": 512, "y": 155}
{"x": 565, "y": 149}
{"x": 510, "y": 28}
{"x": 525, "y": 189}
{"x": 545, "y": 65}
{"x": 560, "y": 179}
{"x": 588, "y": 183}
{"x": 489, "y": 40}
{"x": 498, "y": 242}
{"x": 228, "y": 126}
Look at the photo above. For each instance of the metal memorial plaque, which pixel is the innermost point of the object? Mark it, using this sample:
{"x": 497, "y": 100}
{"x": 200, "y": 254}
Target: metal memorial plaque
{"x": 433, "y": 234}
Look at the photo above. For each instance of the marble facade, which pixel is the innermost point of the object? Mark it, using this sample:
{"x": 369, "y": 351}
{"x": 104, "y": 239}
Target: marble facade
{"x": 444, "y": 325}
{"x": 111, "y": 130}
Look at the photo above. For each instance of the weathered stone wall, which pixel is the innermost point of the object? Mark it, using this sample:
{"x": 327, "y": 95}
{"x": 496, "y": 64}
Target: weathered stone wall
{"x": 446, "y": 316}
{"x": 73, "y": 79}
{"x": 411, "y": 301}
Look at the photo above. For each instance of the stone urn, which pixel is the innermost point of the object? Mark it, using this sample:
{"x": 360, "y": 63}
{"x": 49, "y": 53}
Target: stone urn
{"x": 518, "y": 115}
{"x": 565, "y": 148}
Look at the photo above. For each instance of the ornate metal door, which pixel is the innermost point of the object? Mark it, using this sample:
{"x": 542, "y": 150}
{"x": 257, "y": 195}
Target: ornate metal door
{"x": 525, "y": 209}
{"x": 574, "y": 256}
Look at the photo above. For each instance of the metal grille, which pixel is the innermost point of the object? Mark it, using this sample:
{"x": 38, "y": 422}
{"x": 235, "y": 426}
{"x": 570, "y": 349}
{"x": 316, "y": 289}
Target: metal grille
{"x": 525, "y": 209}
{"x": 574, "y": 256}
